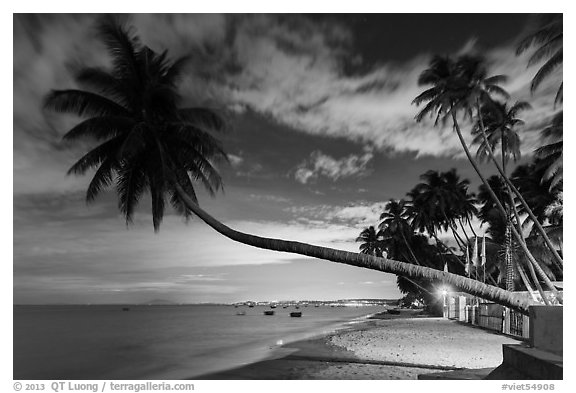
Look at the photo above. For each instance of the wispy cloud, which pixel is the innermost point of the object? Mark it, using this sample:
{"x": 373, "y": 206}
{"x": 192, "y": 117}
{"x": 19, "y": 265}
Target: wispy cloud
{"x": 320, "y": 164}
{"x": 287, "y": 68}
{"x": 356, "y": 215}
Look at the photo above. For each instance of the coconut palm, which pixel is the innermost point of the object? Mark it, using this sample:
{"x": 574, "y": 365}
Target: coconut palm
{"x": 395, "y": 221}
{"x": 150, "y": 144}
{"x": 539, "y": 195}
{"x": 146, "y": 142}
{"x": 442, "y": 196}
{"x": 548, "y": 36}
{"x": 551, "y": 154}
{"x": 508, "y": 259}
{"x": 459, "y": 86}
{"x": 499, "y": 124}
{"x": 371, "y": 242}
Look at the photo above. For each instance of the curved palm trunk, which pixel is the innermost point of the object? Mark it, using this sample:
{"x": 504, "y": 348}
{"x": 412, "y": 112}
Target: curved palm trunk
{"x": 457, "y": 237}
{"x": 501, "y": 208}
{"x": 386, "y": 265}
{"x": 470, "y": 226}
{"x": 464, "y": 231}
{"x": 520, "y": 197}
{"x": 409, "y": 248}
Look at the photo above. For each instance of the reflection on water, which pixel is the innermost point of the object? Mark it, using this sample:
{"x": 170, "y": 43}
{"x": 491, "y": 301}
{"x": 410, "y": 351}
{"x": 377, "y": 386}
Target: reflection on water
{"x": 156, "y": 342}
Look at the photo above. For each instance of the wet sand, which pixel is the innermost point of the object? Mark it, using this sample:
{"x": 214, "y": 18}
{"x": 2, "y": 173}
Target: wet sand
{"x": 387, "y": 347}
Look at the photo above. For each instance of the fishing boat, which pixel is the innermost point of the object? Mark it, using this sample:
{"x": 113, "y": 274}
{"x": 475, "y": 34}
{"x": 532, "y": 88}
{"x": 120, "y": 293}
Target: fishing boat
{"x": 296, "y": 314}
{"x": 241, "y": 313}
{"x": 269, "y": 312}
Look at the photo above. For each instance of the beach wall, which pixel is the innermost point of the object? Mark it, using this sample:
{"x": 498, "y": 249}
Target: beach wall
{"x": 546, "y": 328}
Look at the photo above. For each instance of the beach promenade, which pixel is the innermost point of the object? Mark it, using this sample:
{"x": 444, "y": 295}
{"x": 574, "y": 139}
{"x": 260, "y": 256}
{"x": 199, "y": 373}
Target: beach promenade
{"x": 388, "y": 347}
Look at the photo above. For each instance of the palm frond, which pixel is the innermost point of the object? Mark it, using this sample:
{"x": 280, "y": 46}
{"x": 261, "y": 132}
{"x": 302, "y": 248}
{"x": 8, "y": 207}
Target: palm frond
{"x": 546, "y": 70}
{"x": 559, "y": 98}
{"x": 496, "y": 79}
{"x": 122, "y": 46}
{"x": 546, "y": 50}
{"x": 102, "y": 82}
{"x": 494, "y": 89}
{"x": 100, "y": 128}
{"x": 83, "y": 103}
{"x": 102, "y": 178}
{"x": 96, "y": 156}
{"x": 130, "y": 185}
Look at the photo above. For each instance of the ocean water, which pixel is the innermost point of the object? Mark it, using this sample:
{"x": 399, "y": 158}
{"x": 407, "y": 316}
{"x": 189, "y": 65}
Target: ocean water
{"x": 158, "y": 342}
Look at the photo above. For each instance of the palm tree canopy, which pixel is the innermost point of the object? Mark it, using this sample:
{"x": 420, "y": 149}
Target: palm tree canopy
{"x": 439, "y": 200}
{"x": 395, "y": 217}
{"x": 147, "y": 142}
{"x": 456, "y": 85}
{"x": 371, "y": 241}
{"x": 538, "y": 194}
{"x": 500, "y": 124}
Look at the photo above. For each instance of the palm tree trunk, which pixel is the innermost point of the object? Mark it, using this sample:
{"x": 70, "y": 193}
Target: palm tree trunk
{"x": 501, "y": 208}
{"x": 511, "y": 185}
{"x": 471, "y": 228}
{"x": 508, "y": 259}
{"x": 530, "y": 267}
{"x": 386, "y": 265}
{"x": 409, "y": 248}
{"x": 457, "y": 237}
{"x": 464, "y": 231}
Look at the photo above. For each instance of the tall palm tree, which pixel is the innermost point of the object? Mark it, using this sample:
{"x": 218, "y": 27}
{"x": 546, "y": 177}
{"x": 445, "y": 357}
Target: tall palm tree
{"x": 552, "y": 154}
{"x": 371, "y": 242}
{"x": 443, "y": 197}
{"x": 499, "y": 231}
{"x": 499, "y": 124}
{"x": 459, "y": 86}
{"x": 395, "y": 221}
{"x": 548, "y": 36}
{"x": 149, "y": 144}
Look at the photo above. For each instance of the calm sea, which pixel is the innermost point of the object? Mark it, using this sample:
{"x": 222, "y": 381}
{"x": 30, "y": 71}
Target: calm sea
{"x": 158, "y": 342}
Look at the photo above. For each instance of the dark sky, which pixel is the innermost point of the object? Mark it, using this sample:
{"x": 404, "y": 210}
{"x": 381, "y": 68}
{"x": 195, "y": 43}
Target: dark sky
{"x": 323, "y": 135}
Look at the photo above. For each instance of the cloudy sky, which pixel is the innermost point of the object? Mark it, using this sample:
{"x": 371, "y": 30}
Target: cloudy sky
{"x": 323, "y": 135}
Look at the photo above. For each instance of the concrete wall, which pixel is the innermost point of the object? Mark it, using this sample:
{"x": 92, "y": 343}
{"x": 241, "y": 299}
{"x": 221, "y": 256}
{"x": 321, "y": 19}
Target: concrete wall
{"x": 546, "y": 328}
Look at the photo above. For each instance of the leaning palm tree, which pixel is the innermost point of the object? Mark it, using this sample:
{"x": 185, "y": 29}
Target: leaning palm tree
{"x": 149, "y": 144}
{"x": 548, "y": 36}
{"x": 460, "y": 86}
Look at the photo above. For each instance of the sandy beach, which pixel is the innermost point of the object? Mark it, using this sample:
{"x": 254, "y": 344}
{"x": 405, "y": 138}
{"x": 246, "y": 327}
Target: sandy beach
{"x": 388, "y": 347}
